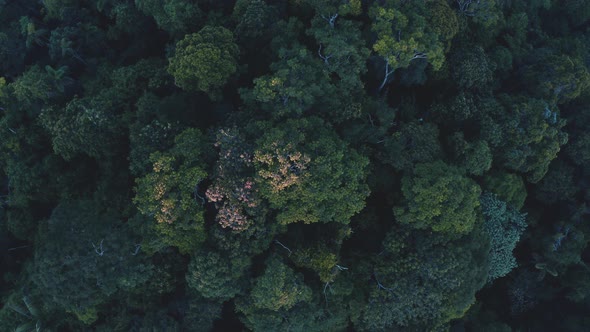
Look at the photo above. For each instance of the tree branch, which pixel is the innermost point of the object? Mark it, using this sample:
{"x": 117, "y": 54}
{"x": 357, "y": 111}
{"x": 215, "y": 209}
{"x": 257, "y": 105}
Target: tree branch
{"x": 282, "y": 245}
{"x": 99, "y": 251}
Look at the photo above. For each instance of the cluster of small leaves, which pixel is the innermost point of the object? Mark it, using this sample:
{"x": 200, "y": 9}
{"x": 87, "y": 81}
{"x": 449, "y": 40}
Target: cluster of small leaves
{"x": 169, "y": 194}
{"x": 504, "y": 225}
{"x": 440, "y": 198}
{"x": 234, "y": 191}
{"x": 204, "y": 61}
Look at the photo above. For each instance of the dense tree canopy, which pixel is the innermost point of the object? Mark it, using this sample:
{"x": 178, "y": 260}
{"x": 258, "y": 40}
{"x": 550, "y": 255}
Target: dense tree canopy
{"x": 302, "y": 165}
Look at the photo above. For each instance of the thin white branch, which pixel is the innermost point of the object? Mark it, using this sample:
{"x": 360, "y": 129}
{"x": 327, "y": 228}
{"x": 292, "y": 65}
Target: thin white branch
{"x": 341, "y": 268}
{"x": 331, "y": 19}
{"x": 282, "y": 245}
{"x": 326, "y": 58}
{"x": 16, "y": 248}
{"x": 197, "y": 196}
{"x": 137, "y": 248}
{"x": 99, "y": 251}
{"x": 325, "y": 294}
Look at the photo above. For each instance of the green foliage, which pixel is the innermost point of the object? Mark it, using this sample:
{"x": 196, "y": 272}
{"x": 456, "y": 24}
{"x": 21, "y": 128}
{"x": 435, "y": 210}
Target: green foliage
{"x": 471, "y": 68}
{"x": 439, "y": 198}
{"x": 508, "y": 187}
{"x": 32, "y": 87}
{"x": 296, "y": 84}
{"x": 560, "y": 248}
{"x": 504, "y": 225}
{"x": 318, "y": 259}
{"x": 443, "y": 19}
{"x": 532, "y": 136}
{"x": 460, "y": 108}
{"x": 344, "y": 54}
{"x": 190, "y": 165}
{"x": 175, "y": 16}
{"x": 22, "y": 313}
{"x": 279, "y": 287}
{"x": 253, "y": 18}
{"x": 85, "y": 257}
{"x": 56, "y": 8}
{"x": 308, "y": 174}
{"x": 558, "y": 77}
{"x": 558, "y": 184}
{"x": 215, "y": 276}
{"x": 413, "y": 143}
{"x": 80, "y": 128}
{"x": 422, "y": 285}
{"x": 168, "y": 193}
{"x": 484, "y": 12}
{"x": 204, "y": 61}
{"x": 331, "y": 8}
{"x": 475, "y": 157}
{"x": 403, "y": 37}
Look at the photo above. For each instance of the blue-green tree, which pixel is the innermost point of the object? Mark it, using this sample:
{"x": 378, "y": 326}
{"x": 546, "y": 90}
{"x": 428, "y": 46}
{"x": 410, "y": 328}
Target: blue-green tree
{"x": 504, "y": 225}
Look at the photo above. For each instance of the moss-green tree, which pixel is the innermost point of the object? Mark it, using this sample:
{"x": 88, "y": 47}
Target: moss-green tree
{"x": 204, "y": 61}
{"x": 440, "y": 198}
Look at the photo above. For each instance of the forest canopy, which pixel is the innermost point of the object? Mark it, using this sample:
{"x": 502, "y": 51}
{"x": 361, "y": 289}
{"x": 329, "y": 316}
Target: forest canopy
{"x": 294, "y": 165}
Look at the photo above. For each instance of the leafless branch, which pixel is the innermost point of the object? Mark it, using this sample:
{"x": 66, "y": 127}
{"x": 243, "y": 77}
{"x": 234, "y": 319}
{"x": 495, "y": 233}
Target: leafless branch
{"x": 99, "y": 251}
{"x": 137, "y": 248}
{"x": 282, "y": 245}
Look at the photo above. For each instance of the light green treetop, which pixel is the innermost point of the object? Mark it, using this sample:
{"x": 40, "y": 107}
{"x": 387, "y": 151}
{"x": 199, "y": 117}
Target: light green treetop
{"x": 439, "y": 197}
{"x": 204, "y": 61}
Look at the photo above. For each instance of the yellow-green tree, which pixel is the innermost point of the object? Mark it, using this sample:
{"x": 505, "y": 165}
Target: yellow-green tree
{"x": 440, "y": 198}
{"x": 308, "y": 174}
{"x": 169, "y": 194}
{"x": 205, "y": 60}
{"x": 403, "y": 35}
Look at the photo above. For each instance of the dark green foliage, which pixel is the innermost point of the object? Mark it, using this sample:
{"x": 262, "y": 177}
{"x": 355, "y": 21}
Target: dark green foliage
{"x": 403, "y": 36}
{"x": 558, "y": 183}
{"x": 80, "y": 128}
{"x": 215, "y": 276}
{"x": 471, "y": 68}
{"x": 413, "y": 143}
{"x": 175, "y": 16}
{"x": 560, "y": 78}
{"x": 301, "y": 165}
{"x": 296, "y": 84}
{"x": 474, "y": 157}
{"x": 254, "y": 19}
{"x": 532, "y": 136}
{"x": 85, "y": 257}
{"x": 425, "y": 284}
